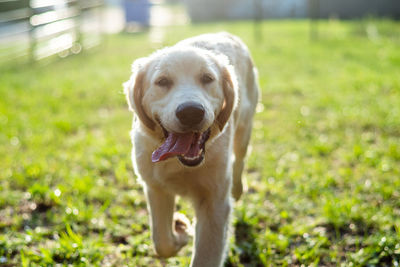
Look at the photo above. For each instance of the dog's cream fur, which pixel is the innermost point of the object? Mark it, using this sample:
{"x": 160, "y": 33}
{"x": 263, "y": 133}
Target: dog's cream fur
{"x": 229, "y": 102}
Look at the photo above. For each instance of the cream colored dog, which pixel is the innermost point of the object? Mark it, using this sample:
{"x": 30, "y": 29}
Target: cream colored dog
{"x": 194, "y": 104}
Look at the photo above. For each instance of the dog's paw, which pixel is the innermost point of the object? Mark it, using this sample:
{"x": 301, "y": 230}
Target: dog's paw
{"x": 182, "y": 229}
{"x": 237, "y": 191}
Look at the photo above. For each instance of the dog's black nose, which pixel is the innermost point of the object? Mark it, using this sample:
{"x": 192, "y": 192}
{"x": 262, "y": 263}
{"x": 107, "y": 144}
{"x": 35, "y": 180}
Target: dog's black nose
{"x": 190, "y": 113}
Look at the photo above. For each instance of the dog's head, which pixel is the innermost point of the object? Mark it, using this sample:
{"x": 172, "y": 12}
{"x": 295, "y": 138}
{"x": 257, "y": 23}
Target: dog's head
{"x": 185, "y": 96}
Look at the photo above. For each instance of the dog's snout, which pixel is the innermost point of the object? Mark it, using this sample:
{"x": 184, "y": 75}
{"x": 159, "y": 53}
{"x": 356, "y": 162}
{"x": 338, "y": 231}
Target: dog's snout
{"x": 190, "y": 113}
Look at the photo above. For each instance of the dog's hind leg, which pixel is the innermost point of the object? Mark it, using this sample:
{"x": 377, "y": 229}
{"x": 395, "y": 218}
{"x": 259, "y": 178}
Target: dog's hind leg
{"x": 241, "y": 142}
{"x": 168, "y": 236}
{"x": 243, "y": 130}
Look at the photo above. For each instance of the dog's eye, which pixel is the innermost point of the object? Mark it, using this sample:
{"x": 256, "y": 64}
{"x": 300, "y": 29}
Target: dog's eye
{"x": 164, "y": 82}
{"x": 207, "y": 78}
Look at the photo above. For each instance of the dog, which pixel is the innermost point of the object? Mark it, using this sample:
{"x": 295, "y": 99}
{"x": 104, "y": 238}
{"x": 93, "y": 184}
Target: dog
{"x": 194, "y": 104}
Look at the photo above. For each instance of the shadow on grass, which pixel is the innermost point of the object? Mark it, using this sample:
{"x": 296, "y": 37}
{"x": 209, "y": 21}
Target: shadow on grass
{"x": 245, "y": 251}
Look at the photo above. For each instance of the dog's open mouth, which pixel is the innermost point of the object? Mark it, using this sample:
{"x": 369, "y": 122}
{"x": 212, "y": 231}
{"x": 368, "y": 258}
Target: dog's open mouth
{"x": 189, "y": 147}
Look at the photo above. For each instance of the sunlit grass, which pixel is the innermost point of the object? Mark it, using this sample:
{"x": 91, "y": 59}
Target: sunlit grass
{"x": 323, "y": 177}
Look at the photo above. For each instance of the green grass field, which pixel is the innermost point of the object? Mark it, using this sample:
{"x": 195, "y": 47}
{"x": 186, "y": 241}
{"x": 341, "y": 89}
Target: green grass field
{"x": 323, "y": 176}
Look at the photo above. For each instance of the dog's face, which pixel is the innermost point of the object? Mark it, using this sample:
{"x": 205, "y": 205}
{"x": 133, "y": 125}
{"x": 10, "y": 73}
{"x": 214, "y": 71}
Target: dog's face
{"x": 184, "y": 96}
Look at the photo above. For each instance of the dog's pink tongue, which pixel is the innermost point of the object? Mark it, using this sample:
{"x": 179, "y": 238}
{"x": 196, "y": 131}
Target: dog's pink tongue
{"x": 175, "y": 144}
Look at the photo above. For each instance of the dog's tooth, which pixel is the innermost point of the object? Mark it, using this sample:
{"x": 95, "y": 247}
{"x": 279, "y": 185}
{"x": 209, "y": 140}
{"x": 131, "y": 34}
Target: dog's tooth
{"x": 193, "y": 158}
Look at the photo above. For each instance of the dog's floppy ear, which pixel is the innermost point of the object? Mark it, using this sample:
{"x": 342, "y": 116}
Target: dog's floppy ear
{"x": 133, "y": 90}
{"x": 229, "y": 85}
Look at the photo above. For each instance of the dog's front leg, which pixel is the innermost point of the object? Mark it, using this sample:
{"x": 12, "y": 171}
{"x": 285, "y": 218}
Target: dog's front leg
{"x": 211, "y": 232}
{"x": 168, "y": 233}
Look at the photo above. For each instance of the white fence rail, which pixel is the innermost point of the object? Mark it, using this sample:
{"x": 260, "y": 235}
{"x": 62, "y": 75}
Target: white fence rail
{"x": 36, "y": 29}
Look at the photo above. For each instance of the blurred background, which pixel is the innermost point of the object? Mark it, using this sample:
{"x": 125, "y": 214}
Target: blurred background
{"x": 323, "y": 177}
{"x": 40, "y": 28}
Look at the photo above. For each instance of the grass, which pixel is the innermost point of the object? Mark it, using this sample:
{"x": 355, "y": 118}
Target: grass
{"x": 323, "y": 176}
